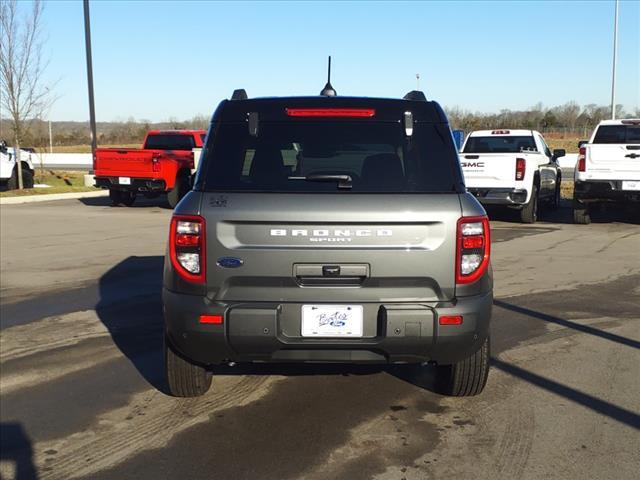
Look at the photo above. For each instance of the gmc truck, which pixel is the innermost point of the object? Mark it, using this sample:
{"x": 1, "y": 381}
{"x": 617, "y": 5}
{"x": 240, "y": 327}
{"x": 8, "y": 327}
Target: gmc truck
{"x": 608, "y": 168}
{"x": 163, "y": 165}
{"x": 512, "y": 168}
{"x": 328, "y": 229}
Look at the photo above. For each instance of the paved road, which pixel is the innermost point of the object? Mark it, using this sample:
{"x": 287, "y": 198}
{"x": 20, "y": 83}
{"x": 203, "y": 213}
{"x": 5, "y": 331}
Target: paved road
{"x": 81, "y": 376}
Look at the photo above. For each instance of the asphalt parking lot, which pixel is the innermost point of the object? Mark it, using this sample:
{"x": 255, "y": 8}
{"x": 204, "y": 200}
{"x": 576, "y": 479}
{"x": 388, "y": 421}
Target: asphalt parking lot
{"x": 81, "y": 368}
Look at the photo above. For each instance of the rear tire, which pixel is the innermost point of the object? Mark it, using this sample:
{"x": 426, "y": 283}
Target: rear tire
{"x": 529, "y": 213}
{"x": 184, "y": 379}
{"x": 581, "y": 215}
{"x": 27, "y": 178}
{"x": 467, "y": 377}
{"x": 128, "y": 198}
{"x": 122, "y": 197}
{"x": 179, "y": 190}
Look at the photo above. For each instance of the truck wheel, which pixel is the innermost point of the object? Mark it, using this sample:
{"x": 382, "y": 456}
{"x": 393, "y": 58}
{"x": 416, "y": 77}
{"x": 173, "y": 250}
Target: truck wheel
{"x": 128, "y": 198}
{"x": 467, "y": 377}
{"x": 184, "y": 379}
{"x": 115, "y": 196}
{"x": 581, "y": 215}
{"x": 179, "y": 190}
{"x": 529, "y": 213}
{"x": 27, "y": 178}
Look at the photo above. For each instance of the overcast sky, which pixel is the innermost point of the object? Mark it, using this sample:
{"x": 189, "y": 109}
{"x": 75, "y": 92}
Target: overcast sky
{"x": 156, "y": 60}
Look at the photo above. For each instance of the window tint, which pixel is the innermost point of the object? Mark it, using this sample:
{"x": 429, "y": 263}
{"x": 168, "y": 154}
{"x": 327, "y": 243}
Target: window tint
{"x": 617, "y": 134}
{"x": 203, "y": 136}
{"x": 170, "y": 142}
{"x": 500, "y": 144}
{"x": 377, "y": 156}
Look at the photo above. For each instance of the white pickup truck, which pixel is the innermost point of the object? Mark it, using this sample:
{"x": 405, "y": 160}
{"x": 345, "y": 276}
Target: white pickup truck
{"x": 608, "y": 168}
{"x": 8, "y": 170}
{"x": 512, "y": 168}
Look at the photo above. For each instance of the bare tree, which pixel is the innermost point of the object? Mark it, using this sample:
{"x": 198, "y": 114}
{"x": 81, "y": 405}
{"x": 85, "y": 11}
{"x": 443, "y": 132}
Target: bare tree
{"x": 23, "y": 93}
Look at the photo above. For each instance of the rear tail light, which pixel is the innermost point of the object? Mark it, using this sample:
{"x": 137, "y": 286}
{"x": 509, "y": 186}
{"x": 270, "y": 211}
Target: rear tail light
{"x": 187, "y": 247}
{"x": 472, "y": 249}
{"x": 521, "y": 168}
{"x": 582, "y": 160}
{"x": 155, "y": 163}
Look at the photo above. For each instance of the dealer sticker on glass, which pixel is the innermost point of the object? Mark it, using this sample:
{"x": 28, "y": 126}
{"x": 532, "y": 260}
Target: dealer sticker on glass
{"x": 332, "y": 320}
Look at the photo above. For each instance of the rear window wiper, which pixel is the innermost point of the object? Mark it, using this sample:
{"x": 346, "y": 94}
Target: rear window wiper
{"x": 344, "y": 181}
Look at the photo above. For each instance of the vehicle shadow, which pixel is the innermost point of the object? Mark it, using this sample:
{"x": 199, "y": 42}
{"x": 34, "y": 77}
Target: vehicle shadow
{"x": 130, "y": 307}
{"x": 16, "y": 450}
{"x": 141, "y": 202}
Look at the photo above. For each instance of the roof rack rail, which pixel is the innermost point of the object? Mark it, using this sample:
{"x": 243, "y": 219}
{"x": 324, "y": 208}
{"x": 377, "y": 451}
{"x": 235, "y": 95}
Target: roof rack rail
{"x": 416, "y": 96}
{"x": 239, "y": 94}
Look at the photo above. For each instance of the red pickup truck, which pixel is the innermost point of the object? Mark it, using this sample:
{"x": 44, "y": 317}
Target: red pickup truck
{"x": 163, "y": 165}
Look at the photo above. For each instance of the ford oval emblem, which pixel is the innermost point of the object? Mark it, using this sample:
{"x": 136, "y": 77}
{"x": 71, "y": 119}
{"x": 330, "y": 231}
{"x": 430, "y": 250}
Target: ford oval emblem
{"x": 230, "y": 262}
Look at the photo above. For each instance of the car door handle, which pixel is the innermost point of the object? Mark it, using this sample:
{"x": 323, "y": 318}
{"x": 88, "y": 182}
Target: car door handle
{"x": 633, "y": 155}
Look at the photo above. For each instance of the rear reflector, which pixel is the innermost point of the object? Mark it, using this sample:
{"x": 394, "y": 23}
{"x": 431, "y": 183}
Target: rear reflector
{"x": 212, "y": 319}
{"x": 450, "y": 320}
{"x": 184, "y": 240}
{"x": 331, "y": 112}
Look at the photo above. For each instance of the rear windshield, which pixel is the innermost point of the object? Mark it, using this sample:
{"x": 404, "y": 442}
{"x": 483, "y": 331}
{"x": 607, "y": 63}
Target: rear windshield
{"x": 294, "y": 157}
{"x": 618, "y": 134}
{"x": 169, "y": 142}
{"x": 500, "y": 144}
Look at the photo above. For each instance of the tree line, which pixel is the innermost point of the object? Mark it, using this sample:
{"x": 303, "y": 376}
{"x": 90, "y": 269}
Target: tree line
{"x": 569, "y": 119}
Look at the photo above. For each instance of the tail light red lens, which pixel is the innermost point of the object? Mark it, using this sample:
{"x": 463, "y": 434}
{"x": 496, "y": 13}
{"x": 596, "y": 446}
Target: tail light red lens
{"x": 582, "y": 160}
{"x": 521, "y": 168}
{"x": 331, "y": 112}
{"x": 450, "y": 320}
{"x": 187, "y": 247}
{"x": 155, "y": 164}
{"x": 472, "y": 249}
{"x": 212, "y": 319}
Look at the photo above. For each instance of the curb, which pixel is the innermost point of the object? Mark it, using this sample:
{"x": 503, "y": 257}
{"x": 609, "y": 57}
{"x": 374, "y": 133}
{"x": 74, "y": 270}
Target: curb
{"x": 51, "y": 197}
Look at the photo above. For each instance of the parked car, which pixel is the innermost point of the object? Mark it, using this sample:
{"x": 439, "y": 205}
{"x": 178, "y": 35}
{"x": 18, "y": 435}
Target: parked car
{"x": 328, "y": 229}
{"x": 163, "y": 165}
{"x": 9, "y": 169}
{"x": 608, "y": 168}
{"x": 512, "y": 168}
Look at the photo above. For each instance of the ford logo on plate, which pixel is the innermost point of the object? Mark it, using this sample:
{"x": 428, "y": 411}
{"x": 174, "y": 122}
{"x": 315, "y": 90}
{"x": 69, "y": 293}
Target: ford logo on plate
{"x": 230, "y": 262}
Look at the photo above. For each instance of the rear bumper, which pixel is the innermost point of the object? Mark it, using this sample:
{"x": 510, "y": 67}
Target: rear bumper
{"x": 270, "y": 332}
{"x": 500, "y": 196}
{"x": 137, "y": 184}
{"x": 603, "y": 191}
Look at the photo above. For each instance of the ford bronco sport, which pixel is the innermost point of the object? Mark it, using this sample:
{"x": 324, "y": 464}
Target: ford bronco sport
{"x": 328, "y": 229}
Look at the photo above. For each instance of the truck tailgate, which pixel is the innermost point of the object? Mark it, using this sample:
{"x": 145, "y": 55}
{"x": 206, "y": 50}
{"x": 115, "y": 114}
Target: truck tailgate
{"x": 489, "y": 170}
{"x": 613, "y": 161}
{"x": 126, "y": 162}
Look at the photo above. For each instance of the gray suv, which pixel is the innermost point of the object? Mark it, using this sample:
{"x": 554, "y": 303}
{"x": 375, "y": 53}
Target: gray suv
{"x": 328, "y": 229}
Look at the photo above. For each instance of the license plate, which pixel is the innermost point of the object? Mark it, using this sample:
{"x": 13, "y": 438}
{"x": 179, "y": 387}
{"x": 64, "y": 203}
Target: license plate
{"x": 124, "y": 180}
{"x": 332, "y": 320}
{"x": 631, "y": 185}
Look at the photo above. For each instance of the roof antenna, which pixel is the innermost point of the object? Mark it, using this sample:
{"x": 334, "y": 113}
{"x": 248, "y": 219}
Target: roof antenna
{"x": 328, "y": 90}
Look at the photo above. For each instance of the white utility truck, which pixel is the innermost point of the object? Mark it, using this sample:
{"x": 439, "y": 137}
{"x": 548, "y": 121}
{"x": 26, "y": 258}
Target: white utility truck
{"x": 608, "y": 168}
{"x": 9, "y": 171}
{"x": 512, "y": 168}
